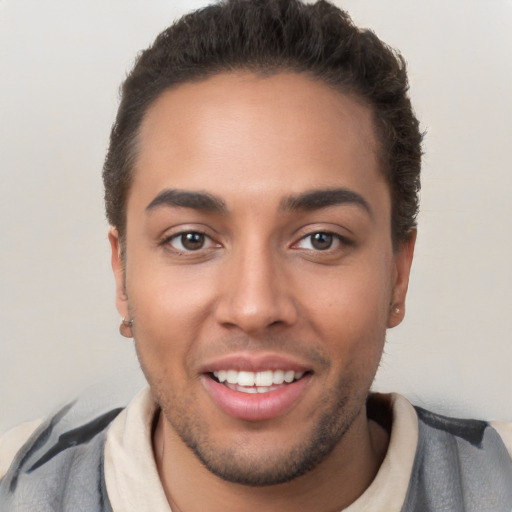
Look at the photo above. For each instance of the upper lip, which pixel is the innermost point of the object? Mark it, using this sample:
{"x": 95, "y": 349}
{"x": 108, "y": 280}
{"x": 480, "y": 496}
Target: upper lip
{"x": 253, "y": 362}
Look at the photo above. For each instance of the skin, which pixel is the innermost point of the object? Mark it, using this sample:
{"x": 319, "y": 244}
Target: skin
{"x": 259, "y": 287}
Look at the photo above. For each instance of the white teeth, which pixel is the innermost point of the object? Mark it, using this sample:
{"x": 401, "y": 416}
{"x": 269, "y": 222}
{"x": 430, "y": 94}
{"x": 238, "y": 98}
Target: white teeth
{"x": 261, "y": 381}
{"x": 264, "y": 378}
{"x": 244, "y": 389}
{"x": 232, "y": 376}
{"x": 289, "y": 376}
{"x": 278, "y": 377}
{"x": 246, "y": 379}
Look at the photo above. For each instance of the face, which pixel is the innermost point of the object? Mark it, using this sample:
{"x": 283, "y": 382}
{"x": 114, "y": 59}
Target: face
{"x": 259, "y": 273}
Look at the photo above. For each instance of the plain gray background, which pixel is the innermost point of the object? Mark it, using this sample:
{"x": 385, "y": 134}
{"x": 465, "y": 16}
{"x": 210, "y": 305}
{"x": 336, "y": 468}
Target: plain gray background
{"x": 61, "y": 63}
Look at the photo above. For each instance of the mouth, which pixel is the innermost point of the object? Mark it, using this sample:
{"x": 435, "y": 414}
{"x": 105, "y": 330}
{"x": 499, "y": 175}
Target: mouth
{"x": 256, "y": 382}
{"x": 256, "y": 395}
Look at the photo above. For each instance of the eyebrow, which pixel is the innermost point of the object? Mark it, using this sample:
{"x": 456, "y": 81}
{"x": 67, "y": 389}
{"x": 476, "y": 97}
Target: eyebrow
{"x": 186, "y": 199}
{"x": 307, "y": 201}
{"x": 318, "y": 199}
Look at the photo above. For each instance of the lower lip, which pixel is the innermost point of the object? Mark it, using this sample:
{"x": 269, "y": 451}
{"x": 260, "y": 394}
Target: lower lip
{"x": 257, "y": 406}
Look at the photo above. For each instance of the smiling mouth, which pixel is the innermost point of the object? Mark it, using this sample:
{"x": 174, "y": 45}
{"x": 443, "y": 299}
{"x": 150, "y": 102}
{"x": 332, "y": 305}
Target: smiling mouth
{"x": 256, "y": 382}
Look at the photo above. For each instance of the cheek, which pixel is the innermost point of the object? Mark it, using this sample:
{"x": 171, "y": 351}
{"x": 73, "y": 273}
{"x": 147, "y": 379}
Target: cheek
{"x": 169, "y": 306}
{"x": 164, "y": 293}
{"x": 349, "y": 310}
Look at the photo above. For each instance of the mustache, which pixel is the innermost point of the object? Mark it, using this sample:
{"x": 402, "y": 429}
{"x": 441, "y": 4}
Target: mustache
{"x": 282, "y": 345}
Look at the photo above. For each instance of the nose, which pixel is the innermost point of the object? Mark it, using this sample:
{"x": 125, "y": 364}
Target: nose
{"x": 256, "y": 293}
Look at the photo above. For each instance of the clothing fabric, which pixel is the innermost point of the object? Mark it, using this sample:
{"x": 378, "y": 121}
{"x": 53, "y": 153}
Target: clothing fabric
{"x": 106, "y": 464}
{"x": 459, "y": 465}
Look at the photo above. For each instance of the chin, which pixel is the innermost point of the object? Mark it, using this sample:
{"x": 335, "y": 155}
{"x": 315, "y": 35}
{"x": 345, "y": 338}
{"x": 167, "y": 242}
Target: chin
{"x": 244, "y": 459}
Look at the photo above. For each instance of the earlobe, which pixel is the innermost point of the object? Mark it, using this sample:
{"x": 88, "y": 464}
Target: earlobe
{"x": 403, "y": 261}
{"x": 119, "y": 272}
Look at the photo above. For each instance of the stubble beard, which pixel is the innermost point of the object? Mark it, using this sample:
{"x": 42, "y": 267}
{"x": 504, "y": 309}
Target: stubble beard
{"x": 235, "y": 464}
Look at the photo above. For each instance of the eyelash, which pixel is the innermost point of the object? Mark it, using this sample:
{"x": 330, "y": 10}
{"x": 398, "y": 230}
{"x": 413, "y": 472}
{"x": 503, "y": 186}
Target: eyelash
{"x": 333, "y": 239}
{"x": 180, "y": 237}
{"x": 337, "y": 239}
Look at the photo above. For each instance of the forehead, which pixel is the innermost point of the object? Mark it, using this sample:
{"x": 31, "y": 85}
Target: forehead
{"x": 281, "y": 133}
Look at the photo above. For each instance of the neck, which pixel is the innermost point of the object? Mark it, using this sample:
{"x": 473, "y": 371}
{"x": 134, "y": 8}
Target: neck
{"x": 334, "y": 484}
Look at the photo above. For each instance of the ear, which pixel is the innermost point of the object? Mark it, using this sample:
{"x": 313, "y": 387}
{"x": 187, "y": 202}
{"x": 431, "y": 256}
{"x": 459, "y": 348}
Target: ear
{"x": 402, "y": 261}
{"x": 119, "y": 272}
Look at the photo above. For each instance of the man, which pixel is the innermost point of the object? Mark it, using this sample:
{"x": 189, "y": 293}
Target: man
{"x": 261, "y": 186}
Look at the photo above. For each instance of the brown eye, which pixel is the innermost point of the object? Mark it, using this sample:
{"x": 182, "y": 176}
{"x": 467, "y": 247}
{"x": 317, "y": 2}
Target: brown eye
{"x": 192, "y": 241}
{"x": 189, "y": 241}
{"x": 321, "y": 241}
